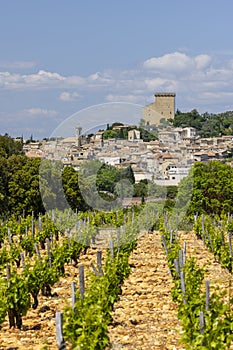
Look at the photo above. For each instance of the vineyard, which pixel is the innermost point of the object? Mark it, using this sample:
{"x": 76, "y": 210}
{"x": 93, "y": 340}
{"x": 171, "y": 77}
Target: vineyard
{"x": 130, "y": 279}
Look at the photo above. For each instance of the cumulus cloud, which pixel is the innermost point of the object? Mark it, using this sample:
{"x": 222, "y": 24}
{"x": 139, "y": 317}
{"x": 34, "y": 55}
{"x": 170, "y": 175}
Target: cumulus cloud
{"x": 195, "y": 79}
{"x": 154, "y": 84}
{"x": 177, "y": 62}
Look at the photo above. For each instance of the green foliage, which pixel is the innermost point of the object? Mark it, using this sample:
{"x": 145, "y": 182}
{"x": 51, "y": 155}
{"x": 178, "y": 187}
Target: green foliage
{"x": 122, "y": 133}
{"x": 213, "y": 237}
{"x": 211, "y": 186}
{"x": 19, "y": 185}
{"x": 217, "y": 332}
{"x": 8, "y": 146}
{"x": 110, "y": 134}
{"x": 207, "y": 125}
{"x": 18, "y": 298}
{"x": 86, "y": 327}
{"x": 3, "y": 300}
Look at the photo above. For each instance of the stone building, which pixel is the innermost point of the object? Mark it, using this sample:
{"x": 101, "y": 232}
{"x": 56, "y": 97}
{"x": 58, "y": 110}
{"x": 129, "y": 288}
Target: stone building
{"x": 134, "y": 135}
{"x": 163, "y": 107}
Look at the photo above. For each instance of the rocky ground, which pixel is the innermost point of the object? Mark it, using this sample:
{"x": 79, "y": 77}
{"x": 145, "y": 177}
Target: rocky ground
{"x": 144, "y": 318}
{"x": 39, "y": 329}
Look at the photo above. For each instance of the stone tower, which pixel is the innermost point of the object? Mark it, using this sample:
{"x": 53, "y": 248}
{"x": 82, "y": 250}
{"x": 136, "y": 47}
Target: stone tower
{"x": 165, "y": 104}
{"x": 78, "y": 132}
{"x": 163, "y": 107}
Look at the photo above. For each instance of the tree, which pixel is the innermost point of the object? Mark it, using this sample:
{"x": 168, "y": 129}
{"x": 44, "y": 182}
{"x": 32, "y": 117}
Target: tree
{"x": 127, "y": 173}
{"x": 8, "y": 146}
{"x": 71, "y": 183}
{"x": 109, "y": 134}
{"x": 24, "y": 190}
{"x": 211, "y": 188}
{"x": 51, "y": 186}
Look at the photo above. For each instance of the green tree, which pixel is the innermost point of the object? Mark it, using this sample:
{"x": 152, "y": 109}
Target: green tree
{"x": 23, "y": 189}
{"x": 127, "y": 173}
{"x": 8, "y": 146}
{"x": 211, "y": 187}
{"x": 71, "y": 183}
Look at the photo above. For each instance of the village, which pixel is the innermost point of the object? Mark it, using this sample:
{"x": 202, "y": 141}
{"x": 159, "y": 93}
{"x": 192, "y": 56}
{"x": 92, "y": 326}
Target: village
{"x": 165, "y": 160}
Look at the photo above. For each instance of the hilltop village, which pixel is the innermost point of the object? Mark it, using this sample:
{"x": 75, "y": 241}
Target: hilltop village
{"x": 165, "y": 160}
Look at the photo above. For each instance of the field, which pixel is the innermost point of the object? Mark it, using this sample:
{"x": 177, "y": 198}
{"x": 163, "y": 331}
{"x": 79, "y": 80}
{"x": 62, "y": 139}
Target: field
{"x": 142, "y": 302}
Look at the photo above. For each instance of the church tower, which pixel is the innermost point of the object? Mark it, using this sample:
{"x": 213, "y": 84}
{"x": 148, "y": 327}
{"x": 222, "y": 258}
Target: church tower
{"x": 78, "y": 132}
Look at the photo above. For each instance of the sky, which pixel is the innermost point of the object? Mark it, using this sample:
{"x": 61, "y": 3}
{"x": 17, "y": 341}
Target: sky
{"x": 66, "y": 58}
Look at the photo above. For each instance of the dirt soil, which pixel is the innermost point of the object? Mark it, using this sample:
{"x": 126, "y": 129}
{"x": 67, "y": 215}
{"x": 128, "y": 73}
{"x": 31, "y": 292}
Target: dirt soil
{"x": 144, "y": 318}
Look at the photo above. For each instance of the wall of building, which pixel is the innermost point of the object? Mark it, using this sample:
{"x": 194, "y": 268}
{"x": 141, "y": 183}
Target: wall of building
{"x": 165, "y": 104}
{"x": 163, "y": 107}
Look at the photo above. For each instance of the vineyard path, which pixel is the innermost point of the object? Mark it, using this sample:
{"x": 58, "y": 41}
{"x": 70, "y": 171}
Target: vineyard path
{"x": 145, "y": 317}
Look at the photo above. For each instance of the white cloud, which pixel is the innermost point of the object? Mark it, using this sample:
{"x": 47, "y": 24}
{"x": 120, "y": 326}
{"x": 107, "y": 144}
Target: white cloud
{"x": 177, "y": 62}
{"x": 202, "y": 61}
{"x": 44, "y": 80}
{"x": 68, "y": 96}
{"x": 154, "y": 84}
{"x": 195, "y": 79}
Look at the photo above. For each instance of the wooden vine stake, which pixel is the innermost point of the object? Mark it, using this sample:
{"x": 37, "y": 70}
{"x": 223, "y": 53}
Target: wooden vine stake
{"x": 182, "y": 277}
{"x": 177, "y": 266}
{"x": 171, "y": 236}
{"x": 49, "y": 252}
{"x": 81, "y": 281}
{"x": 37, "y": 250}
{"x": 111, "y": 248}
{"x": 118, "y": 235}
{"x": 59, "y": 331}
{"x": 99, "y": 262}
{"x": 181, "y": 259}
{"x": 164, "y": 244}
{"x": 230, "y": 244}
{"x": 184, "y": 252}
{"x": 33, "y": 224}
{"x": 202, "y": 322}
{"x": 40, "y": 224}
{"x": 73, "y": 291}
{"x": 207, "y": 295}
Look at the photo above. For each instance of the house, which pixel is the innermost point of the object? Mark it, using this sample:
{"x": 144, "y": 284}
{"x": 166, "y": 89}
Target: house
{"x": 134, "y": 135}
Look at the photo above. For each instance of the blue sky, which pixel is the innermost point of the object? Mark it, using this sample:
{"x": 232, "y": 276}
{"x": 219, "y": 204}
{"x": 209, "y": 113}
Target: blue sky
{"x": 60, "y": 57}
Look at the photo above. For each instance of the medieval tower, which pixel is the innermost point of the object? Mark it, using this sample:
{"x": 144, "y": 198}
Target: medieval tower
{"x": 163, "y": 107}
